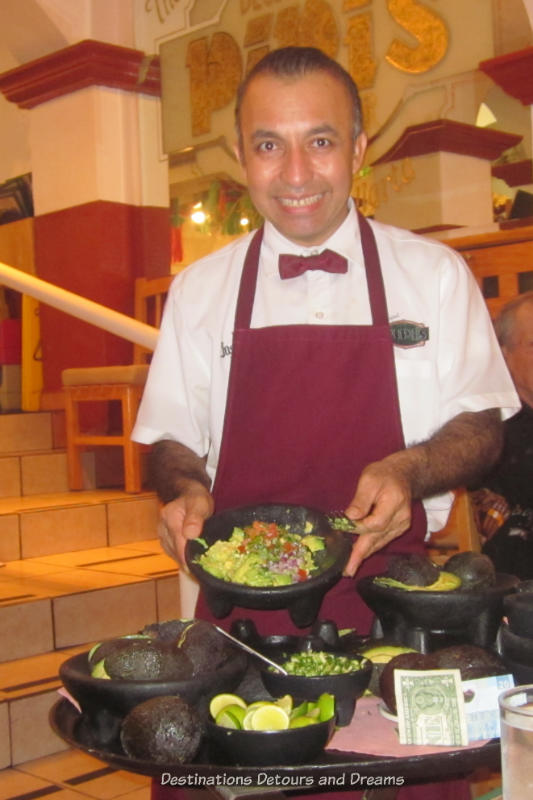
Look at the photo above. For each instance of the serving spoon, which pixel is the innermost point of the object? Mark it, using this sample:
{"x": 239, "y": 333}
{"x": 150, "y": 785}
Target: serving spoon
{"x": 251, "y": 650}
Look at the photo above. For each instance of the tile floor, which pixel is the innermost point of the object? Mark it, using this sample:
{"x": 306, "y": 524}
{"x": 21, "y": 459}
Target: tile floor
{"x": 71, "y": 775}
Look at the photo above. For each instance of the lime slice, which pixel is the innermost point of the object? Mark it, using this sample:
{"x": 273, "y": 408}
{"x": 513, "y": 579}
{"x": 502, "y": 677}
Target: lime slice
{"x": 258, "y": 704}
{"x": 302, "y": 722}
{"x": 220, "y": 701}
{"x": 236, "y": 711}
{"x": 285, "y": 703}
{"x": 312, "y": 709}
{"x": 299, "y": 710}
{"x": 247, "y": 721}
{"x": 326, "y": 706}
{"x": 269, "y": 718}
{"x": 227, "y": 719}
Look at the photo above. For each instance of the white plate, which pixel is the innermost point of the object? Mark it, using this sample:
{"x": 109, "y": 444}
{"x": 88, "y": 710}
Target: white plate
{"x": 384, "y": 711}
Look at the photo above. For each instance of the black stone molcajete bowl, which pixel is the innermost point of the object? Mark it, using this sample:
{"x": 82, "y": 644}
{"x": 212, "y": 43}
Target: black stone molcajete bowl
{"x": 267, "y": 748}
{"x": 303, "y": 599}
{"x": 518, "y": 609}
{"x": 517, "y": 648}
{"x": 522, "y": 673}
{"x": 347, "y": 687}
{"x": 324, "y": 635}
{"x": 105, "y": 701}
{"x": 413, "y": 617}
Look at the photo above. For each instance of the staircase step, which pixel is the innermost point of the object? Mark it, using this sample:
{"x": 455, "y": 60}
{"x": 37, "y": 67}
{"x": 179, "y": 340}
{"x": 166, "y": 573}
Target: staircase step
{"x": 47, "y": 524}
{"x": 63, "y": 600}
{"x": 54, "y": 606}
{"x": 75, "y": 568}
{"x": 26, "y": 432}
{"x": 42, "y": 472}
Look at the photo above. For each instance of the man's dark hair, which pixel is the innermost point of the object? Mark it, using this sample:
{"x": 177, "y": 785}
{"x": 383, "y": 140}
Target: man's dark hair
{"x": 295, "y": 62}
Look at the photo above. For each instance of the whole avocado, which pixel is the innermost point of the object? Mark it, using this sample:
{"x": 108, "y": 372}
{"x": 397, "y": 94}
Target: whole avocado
{"x": 101, "y": 650}
{"x": 412, "y": 660}
{"x": 204, "y": 646}
{"x": 412, "y": 569}
{"x": 146, "y": 659}
{"x": 476, "y": 570}
{"x": 165, "y": 729}
{"x": 472, "y": 661}
{"x": 168, "y": 631}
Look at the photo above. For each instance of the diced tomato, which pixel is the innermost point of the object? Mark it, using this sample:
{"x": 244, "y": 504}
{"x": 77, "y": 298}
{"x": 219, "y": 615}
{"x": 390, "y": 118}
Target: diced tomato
{"x": 268, "y": 530}
{"x": 288, "y": 547}
{"x": 302, "y": 574}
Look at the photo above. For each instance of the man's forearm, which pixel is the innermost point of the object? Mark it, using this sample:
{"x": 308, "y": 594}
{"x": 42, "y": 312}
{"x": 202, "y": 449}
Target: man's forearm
{"x": 458, "y": 454}
{"x": 173, "y": 466}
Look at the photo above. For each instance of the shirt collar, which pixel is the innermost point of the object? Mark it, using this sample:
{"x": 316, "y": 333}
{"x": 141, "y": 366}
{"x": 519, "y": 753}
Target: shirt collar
{"x": 345, "y": 241}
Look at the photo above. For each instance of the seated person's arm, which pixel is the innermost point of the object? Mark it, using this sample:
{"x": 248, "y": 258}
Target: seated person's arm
{"x": 182, "y": 484}
{"x": 491, "y": 510}
{"x": 459, "y": 452}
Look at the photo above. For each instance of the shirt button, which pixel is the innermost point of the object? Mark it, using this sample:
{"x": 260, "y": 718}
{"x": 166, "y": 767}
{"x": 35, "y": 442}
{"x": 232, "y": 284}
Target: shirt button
{"x": 319, "y": 314}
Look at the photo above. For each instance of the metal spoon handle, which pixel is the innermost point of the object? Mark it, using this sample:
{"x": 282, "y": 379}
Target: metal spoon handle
{"x": 251, "y": 650}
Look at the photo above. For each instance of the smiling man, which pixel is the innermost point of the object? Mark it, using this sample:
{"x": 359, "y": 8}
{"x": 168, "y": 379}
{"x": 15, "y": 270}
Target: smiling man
{"x": 283, "y": 373}
{"x": 316, "y": 399}
{"x": 299, "y": 150}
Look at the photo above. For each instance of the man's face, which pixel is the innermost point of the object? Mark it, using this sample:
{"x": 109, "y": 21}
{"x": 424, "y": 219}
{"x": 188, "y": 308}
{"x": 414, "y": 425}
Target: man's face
{"x": 519, "y": 354}
{"x": 299, "y": 154}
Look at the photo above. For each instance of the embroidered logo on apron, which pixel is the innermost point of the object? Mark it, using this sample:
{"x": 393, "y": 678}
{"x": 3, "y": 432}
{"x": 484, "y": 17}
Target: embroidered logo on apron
{"x": 409, "y": 334}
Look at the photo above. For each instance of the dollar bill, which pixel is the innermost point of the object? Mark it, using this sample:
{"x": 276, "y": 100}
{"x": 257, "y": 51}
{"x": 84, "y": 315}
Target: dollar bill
{"x": 430, "y": 707}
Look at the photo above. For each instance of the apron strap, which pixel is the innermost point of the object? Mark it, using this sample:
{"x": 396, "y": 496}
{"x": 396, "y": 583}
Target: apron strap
{"x": 374, "y": 277}
{"x": 376, "y": 289}
{"x": 245, "y": 299}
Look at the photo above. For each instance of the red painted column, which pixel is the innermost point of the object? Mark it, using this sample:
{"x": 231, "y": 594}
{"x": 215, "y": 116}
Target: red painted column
{"x": 100, "y": 189}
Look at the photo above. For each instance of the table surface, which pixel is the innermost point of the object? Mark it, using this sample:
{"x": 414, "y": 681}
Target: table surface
{"x": 338, "y": 766}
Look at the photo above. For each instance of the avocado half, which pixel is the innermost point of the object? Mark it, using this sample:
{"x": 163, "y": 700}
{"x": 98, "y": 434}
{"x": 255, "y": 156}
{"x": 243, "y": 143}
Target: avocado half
{"x": 446, "y": 582}
{"x": 379, "y": 655}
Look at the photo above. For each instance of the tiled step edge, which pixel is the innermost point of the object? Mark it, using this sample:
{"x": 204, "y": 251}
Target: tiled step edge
{"x": 28, "y": 432}
{"x": 89, "y": 607}
{"x": 36, "y": 526}
{"x": 40, "y": 472}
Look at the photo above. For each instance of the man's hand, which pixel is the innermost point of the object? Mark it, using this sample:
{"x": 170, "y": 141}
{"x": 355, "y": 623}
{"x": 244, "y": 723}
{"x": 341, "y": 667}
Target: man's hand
{"x": 183, "y": 519}
{"x": 182, "y": 484}
{"x": 382, "y": 508}
{"x": 454, "y": 456}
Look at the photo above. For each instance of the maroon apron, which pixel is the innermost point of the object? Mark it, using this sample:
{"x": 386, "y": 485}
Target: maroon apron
{"x": 308, "y": 407}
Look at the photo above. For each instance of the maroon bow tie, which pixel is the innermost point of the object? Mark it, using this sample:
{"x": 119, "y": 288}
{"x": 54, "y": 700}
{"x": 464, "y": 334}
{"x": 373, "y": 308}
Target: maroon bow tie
{"x": 292, "y": 266}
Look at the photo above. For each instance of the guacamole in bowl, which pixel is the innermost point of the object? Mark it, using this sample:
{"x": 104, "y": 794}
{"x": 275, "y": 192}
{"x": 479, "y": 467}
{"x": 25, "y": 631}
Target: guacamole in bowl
{"x": 263, "y": 554}
{"x": 268, "y": 557}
